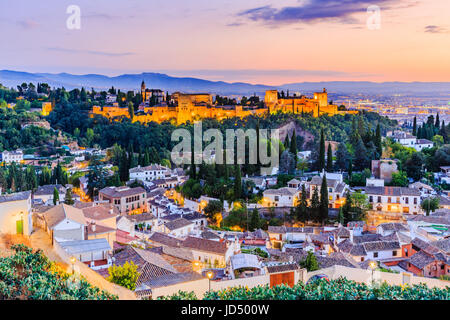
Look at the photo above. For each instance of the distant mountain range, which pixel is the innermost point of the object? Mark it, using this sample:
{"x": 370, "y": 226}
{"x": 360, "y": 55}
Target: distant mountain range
{"x": 185, "y": 84}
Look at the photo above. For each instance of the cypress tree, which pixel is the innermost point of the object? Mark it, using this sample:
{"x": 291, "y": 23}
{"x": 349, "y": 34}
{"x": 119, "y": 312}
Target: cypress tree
{"x": 414, "y": 132}
{"x": 321, "y": 160}
{"x": 346, "y": 209}
{"x": 443, "y": 132}
{"x": 293, "y": 147}
{"x": 438, "y": 122}
{"x": 140, "y": 157}
{"x": 315, "y": 205}
{"x": 286, "y": 142}
{"x": 350, "y": 168}
{"x": 123, "y": 167}
{"x": 302, "y": 208}
{"x": 419, "y": 133}
{"x": 146, "y": 160}
{"x": 329, "y": 159}
{"x": 55, "y": 196}
{"x": 131, "y": 110}
{"x": 254, "y": 220}
{"x": 68, "y": 199}
{"x": 324, "y": 202}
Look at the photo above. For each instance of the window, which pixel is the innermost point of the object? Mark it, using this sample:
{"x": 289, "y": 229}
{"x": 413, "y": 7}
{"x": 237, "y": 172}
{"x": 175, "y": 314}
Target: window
{"x": 415, "y": 200}
{"x": 375, "y": 254}
{"x": 379, "y": 199}
{"x": 394, "y": 253}
{"x": 362, "y": 259}
{"x": 371, "y": 199}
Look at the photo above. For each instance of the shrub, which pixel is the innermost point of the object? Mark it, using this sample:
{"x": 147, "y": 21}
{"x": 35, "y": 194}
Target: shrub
{"x": 321, "y": 289}
{"x": 125, "y": 276}
{"x": 29, "y": 275}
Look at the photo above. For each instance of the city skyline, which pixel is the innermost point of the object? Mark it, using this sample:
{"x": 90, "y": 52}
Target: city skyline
{"x": 259, "y": 42}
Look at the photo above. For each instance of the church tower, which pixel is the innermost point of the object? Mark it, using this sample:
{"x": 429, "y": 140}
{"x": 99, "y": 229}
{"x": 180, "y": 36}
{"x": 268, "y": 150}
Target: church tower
{"x": 143, "y": 91}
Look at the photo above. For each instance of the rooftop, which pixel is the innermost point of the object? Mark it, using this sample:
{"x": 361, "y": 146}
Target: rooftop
{"x": 85, "y": 246}
{"x": 119, "y": 192}
{"x": 178, "y": 224}
{"x": 63, "y": 211}
{"x": 205, "y": 245}
{"x": 15, "y": 196}
{"x": 392, "y": 191}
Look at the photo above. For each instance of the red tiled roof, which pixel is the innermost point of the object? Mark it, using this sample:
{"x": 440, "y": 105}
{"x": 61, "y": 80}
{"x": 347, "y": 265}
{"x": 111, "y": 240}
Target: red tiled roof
{"x": 124, "y": 237}
{"x": 205, "y": 245}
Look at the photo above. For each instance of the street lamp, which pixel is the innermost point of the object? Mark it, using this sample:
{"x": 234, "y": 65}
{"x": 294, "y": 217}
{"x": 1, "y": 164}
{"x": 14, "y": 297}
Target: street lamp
{"x": 373, "y": 265}
{"x": 209, "y": 275}
{"x": 72, "y": 261}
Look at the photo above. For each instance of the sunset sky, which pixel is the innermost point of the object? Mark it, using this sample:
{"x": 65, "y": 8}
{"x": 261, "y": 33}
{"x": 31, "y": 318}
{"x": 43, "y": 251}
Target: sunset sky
{"x": 257, "y": 41}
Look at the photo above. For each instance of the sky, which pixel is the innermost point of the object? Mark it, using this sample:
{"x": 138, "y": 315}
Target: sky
{"x": 268, "y": 42}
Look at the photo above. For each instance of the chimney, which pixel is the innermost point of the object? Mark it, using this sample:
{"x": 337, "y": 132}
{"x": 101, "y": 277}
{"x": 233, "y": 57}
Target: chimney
{"x": 93, "y": 226}
{"x": 111, "y": 210}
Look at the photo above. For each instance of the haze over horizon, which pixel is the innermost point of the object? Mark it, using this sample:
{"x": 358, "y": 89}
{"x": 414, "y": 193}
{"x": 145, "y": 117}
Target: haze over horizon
{"x": 257, "y": 41}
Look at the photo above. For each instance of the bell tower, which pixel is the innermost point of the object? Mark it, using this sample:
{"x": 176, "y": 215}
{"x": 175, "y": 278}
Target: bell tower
{"x": 143, "y": 91}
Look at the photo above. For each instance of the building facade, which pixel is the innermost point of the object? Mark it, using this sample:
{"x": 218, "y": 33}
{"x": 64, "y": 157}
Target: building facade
{"x": 126, "y": 200}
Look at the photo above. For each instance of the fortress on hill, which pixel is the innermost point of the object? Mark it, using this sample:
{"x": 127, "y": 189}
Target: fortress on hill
{"x": 182, "y": 107}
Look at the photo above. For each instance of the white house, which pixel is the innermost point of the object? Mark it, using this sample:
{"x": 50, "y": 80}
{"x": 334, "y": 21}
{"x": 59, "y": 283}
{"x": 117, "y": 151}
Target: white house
{"x": 382, "y": 250}
{"x": 423, "y": 144}
{"x": 64, "y": 223}
{"x": 210, "y": 252}
{"x": 15, "y": 213}
{"x": 404, "y": 139}
{"x": 394, "y": 199}
{"x": 373, "y": 250}
{"x": 386, "y": 229}
{"x": 12, "y": 156}
{"x": 336, "y": 188}
{"x": 408, "y": 140}
{"x": 178, "y": 228}
{"x": 149, "y": 173}
{"x": 282, "y": 234}
{"x": 283, "y": 197}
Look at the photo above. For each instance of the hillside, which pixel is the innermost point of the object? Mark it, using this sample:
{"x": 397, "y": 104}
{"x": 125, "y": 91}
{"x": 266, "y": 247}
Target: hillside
{"x": 188, "y": 84}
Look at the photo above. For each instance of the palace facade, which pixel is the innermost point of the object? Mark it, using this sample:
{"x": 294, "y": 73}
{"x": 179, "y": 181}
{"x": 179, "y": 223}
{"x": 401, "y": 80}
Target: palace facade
{"x": 183, "y": 107}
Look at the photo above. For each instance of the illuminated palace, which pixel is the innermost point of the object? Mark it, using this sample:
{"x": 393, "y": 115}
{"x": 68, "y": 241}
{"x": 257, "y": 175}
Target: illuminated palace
{"x": 182, "y": 107}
